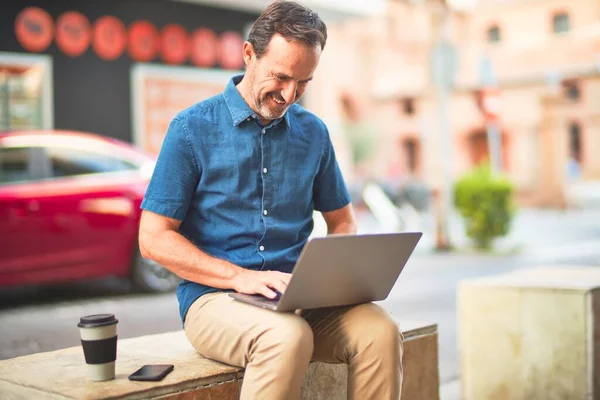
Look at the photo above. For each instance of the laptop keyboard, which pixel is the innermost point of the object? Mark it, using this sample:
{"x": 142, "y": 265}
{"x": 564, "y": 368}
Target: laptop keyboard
{"x": 264, "y": 300}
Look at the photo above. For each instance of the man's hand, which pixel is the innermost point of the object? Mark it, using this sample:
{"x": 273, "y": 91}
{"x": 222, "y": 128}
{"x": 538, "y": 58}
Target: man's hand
{"x": 261, "y": 282}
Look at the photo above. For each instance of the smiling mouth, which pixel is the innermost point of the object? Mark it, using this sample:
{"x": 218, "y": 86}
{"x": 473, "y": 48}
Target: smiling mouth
{"x": 278, "y": 101}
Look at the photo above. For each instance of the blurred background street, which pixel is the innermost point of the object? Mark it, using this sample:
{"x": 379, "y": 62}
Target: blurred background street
{"x": 476, "y": 122}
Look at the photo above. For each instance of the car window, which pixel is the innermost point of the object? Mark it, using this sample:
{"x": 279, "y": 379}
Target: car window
{"x": 14, "y": 165}
{"x": 72, "y": 162}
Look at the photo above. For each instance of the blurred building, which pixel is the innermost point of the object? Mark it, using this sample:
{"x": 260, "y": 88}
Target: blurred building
{"x": 117, "y": 68}
{"x": 542, "y": 56}
{"x": 123, "y": 69}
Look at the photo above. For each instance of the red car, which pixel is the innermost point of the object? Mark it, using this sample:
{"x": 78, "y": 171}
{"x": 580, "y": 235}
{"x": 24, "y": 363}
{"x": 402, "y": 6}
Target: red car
{"x": 69, "y": 210}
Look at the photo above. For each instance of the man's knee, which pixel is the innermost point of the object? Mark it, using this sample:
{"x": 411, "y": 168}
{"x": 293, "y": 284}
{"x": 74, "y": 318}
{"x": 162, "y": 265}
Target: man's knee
{"x": 379, "y": 330}
{"x": 290, "y": 336}
{"x": 390, "y": 336}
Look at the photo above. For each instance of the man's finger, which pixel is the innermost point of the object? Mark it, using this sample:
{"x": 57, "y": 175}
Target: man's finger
{"x": 267, "y": 292}
{"x": 278, "y": 285}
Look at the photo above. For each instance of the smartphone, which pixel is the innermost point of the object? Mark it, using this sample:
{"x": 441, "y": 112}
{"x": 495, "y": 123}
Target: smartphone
{"x": 151, "y": 372}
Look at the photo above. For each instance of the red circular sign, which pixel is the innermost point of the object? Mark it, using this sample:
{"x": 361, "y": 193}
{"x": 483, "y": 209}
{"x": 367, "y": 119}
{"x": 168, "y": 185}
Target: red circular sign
{"x": 73, "y": 33}
{"x": 204, "y": 47}
{"x": 109, "y": 38}
{"x": 230, "y": 54}
{"x": 143, "y": 41}
{"x": 174, "y": 44}
{"x": 34, "y": 29}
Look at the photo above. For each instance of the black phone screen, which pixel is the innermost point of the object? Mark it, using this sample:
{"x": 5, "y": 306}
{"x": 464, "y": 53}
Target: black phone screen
{"x": 151, "y": 373}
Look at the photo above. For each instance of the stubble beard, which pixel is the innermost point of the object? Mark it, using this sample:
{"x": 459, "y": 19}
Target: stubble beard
{"x": 263, "y": 109}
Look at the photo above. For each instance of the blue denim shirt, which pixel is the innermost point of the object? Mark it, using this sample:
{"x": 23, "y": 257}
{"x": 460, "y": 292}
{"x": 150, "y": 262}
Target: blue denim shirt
{"x": 244, "y": 193}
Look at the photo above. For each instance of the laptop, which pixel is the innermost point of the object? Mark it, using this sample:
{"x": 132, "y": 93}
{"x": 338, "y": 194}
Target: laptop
{"x": 342, "y": 270}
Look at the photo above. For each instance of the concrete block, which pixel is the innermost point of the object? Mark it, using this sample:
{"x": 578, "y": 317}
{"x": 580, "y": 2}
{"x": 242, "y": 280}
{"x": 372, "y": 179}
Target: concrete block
{"x": 62, "y": 374}
{"x": 531, "y": 334}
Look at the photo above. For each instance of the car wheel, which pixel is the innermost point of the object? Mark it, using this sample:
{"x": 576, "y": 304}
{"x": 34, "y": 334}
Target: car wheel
{"x": 150, "y": 276}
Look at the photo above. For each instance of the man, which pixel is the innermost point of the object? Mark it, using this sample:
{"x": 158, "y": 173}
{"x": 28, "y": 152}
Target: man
{"x": 229, "y": 208}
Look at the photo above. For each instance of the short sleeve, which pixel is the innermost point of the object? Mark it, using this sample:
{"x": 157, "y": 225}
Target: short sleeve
{"x": 175, "y": 177}
{"x": 329, "y": 191}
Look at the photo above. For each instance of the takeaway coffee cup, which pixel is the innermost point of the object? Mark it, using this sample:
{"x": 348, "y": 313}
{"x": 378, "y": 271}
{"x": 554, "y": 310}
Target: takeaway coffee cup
{"x": 99, "y": 341}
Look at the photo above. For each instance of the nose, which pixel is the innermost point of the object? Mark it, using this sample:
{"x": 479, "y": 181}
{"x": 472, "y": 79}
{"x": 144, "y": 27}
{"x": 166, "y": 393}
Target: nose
{"x": 289, "y": 92}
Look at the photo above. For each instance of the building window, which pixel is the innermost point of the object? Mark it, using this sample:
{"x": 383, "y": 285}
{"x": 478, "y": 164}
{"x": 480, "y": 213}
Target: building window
{"x": 25, "y": 91}
{"x": 571, "y": 90}
{"x": 479, "y": 147}
{"x": 20, "y": 98}
{"x": 350, "y": 108}
{"x": 561, "y": 23}
{"x": 411, "y": 150}
{"x": 493, "y": 34}
{"x": 408, "y": 105}
{"x": 575, "y": 141}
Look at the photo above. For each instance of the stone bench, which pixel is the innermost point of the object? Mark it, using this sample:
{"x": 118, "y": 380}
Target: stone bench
{"x": 531, "y": 334}
{"x": 62, "y": 374}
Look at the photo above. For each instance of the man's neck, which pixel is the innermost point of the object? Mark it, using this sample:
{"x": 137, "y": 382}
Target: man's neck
{"x": 244, "y": 91}
{"x": 242, "y": 88}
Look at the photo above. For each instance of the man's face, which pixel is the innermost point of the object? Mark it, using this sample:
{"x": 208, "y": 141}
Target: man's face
{"x": 279, "y": 78}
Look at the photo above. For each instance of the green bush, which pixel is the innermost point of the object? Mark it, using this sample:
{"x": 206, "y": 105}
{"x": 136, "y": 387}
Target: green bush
{"x": 485, "y": 201}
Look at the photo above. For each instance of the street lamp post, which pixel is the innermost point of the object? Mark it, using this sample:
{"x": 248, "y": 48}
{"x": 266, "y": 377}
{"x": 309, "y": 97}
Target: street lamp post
{"x": 443, "y": 67}
{"x": 491, "y": 108}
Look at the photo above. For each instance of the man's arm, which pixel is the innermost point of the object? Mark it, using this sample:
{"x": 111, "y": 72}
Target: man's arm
{"x": 341, "y": 221}
{"x": 160, "y": 241}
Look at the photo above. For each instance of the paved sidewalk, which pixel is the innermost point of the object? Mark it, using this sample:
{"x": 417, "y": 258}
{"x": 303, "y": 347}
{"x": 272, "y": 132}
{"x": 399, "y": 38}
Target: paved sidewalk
{"x": 532, "y": 234}
{"x": 450, "y": 390}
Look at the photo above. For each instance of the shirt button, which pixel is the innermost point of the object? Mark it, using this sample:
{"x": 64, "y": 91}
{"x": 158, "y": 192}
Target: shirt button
{"x": 264, "y": 131}
{"x": 264, "y": 170}
{"x": 265, "y": 212}
{"x": 262, "y": 248}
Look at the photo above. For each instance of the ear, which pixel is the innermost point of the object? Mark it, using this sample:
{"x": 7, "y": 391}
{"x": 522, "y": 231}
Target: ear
{"x": 248, "y": 53}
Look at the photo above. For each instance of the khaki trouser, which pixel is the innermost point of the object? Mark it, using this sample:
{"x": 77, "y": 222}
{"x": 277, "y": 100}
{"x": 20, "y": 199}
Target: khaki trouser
{"x": 276, "y": 348}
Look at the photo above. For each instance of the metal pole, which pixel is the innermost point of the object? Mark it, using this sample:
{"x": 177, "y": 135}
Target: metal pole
{"x": 446, "y": 157}
{"x": 494, "y": 140}
{"x": 495, "y": 147}
{"x": 444, "y": 70}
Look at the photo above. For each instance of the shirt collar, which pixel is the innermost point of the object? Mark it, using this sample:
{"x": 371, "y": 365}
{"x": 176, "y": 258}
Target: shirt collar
{"x": 238, "y": 108}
